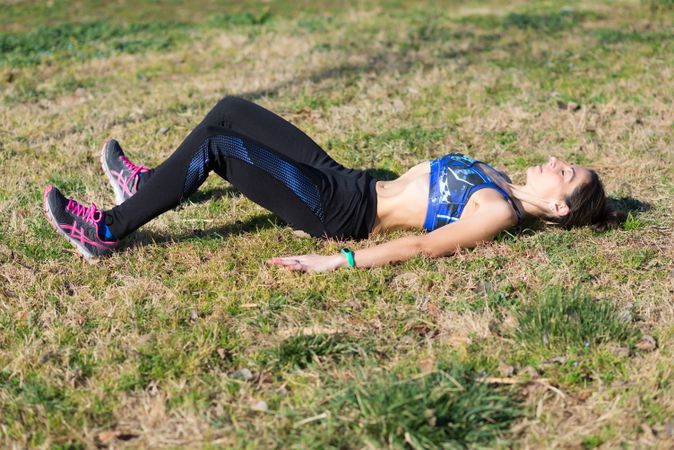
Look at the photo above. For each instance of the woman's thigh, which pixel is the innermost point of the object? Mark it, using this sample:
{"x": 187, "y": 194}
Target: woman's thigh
{"x": 257, "y": 123}
{"x": 280, "y": 198}
{"x": 322, "y": 202}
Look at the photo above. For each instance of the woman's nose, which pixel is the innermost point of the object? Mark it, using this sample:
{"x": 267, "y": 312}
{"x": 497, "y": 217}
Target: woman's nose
{"x": 553, "y": 161}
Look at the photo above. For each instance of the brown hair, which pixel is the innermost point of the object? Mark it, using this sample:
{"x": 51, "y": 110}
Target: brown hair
{"x": 588, "y": 205}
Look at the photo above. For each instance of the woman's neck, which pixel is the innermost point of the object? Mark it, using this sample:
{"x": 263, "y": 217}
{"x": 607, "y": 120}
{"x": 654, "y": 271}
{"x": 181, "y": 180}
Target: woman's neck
{"x": 529, "y": 203}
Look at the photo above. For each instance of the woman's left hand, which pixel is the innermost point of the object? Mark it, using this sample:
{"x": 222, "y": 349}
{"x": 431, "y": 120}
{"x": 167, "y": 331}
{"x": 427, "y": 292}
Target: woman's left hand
{"x": 309, "y": 263}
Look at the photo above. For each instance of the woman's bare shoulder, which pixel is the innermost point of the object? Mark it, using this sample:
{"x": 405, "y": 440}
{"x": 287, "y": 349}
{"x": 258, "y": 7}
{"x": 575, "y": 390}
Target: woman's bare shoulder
{"x": 491, "y": 199}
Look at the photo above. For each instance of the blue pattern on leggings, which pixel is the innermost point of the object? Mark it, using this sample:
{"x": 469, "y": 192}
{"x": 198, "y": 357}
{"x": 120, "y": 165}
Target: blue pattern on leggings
{"x": 197, "y": 171}
{"x": 280, "y": 169}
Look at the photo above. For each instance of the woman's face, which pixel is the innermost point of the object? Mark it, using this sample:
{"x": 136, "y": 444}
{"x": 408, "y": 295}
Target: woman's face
{"x": 556, "y": 179}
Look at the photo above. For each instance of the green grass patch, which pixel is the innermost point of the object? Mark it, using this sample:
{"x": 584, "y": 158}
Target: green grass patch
{"x": 188, "y": 351}
{"x": 505, "y": 138}
{"x": 632, "y": 222}
{"x": 547, "y": 22}
{"x": 659, "y": 6}
{"x": 448, "y": 408}
{"x": 637, "y": 258}
{"x": 298, "y": 352}
{"x": 31, "y": 402}
{"x": 565, "y": 335}
{"x": 597, "y": 439}
{"x": 611, "y": 36}
{"x": 85, "y": 40}
{"x": 238, "y": 19}
{"x": 563, "y": 319}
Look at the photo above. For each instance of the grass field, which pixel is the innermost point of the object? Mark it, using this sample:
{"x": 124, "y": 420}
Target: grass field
{"x": 541, "y": 339}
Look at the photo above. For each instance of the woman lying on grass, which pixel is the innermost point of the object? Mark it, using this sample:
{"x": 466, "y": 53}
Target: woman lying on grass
{"x": 460, "y": 201}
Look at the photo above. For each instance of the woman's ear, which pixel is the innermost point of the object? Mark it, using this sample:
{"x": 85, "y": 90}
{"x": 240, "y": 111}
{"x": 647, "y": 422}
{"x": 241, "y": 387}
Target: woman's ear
{"x": 559, "y": 209}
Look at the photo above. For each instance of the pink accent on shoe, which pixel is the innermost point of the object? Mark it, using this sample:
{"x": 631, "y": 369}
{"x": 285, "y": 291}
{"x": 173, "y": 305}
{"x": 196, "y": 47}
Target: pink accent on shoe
{"x": 92, "y": 215}
{"x": 125, "y": 181}
{"x": 132, "y": 166}
{"x": 78, "y": 233}
{"x": 135, "y": 171}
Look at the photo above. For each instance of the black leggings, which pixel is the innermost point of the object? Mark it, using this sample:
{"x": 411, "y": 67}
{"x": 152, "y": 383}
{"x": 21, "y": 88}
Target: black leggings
{"x": 268, "y": 160}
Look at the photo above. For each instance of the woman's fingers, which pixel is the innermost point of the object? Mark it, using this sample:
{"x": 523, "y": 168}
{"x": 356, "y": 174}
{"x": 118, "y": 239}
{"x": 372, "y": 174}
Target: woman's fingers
{"x": 294, "y": 265}
{"x": 308, "y": 263}
{"x": 289, "y": 262}
{"x": 289, "y": 259}
{"x": 284, "y": 260}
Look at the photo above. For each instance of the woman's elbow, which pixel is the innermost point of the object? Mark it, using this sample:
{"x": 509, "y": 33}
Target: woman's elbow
{"x": 438, "y": 251}
{"x": 430, "y": 250}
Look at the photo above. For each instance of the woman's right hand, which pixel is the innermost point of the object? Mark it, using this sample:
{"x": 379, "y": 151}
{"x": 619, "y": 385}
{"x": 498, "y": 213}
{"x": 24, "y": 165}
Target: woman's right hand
{"x": 310, "y": 263}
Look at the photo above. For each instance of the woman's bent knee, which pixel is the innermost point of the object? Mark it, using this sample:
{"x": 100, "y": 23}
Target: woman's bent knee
{"x": 225, "y": 111}
{"x": 230, "y": 104}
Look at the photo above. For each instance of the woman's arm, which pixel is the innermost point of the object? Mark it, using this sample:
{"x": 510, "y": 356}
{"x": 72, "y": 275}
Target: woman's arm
{"x": 465, "y": 233}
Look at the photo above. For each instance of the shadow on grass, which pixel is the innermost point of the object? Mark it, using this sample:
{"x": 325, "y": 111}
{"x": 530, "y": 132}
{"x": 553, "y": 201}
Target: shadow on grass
{"x": 214, "y": 194}
{"x": 402, "y": 60}
{"x": 629, "y": 205}
{"x": 382, "y": 174}
{"x": 261, "y": 222}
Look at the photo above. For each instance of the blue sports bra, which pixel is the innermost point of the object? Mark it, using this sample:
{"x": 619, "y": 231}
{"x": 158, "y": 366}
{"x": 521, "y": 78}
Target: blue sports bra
{"x": 454, "y": 178}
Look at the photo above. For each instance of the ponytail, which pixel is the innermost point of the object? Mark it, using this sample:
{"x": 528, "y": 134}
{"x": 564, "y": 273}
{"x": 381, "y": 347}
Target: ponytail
{"x": 609, "y": 219}
{"x": 588, "y": 205}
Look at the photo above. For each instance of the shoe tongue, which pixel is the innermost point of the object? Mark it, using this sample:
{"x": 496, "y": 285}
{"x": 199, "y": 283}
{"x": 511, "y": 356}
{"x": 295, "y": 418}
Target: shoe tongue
{"x": 104, "y": 232}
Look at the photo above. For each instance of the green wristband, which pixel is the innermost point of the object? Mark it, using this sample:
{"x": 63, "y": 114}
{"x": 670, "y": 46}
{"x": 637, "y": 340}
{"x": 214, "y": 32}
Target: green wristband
{"x": 349, "y": 256}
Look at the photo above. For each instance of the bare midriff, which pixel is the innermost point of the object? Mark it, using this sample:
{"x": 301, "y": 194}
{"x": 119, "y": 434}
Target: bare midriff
{"x": 402, "y": 203}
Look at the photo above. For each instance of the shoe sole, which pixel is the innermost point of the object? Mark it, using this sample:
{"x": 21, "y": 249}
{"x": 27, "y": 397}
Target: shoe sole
{"x": 119, "y": 194}
{"x": 83, "y": 252}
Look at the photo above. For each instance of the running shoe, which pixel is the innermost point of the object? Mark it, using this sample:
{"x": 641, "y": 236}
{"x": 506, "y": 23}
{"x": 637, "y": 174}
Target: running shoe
{"x": 122, "y": 173}
{"x": 82, "y": 226}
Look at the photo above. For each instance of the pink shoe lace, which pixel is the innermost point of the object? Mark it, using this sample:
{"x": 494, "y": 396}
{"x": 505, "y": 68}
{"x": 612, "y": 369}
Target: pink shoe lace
{"x": 135, "y": 170}
{"x": 131, "y": 182}
{"x": 91, "y": 214}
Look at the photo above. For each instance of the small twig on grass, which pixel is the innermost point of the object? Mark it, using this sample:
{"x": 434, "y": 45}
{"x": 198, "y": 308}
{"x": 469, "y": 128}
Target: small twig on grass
{"x": 541, "y": 381}
{"x": 321, "y": 416}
